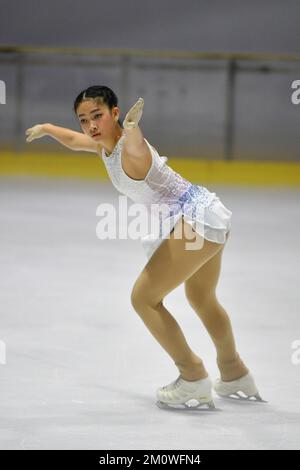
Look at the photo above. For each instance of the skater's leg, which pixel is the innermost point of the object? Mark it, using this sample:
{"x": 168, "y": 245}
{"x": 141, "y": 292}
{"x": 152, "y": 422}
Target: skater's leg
{"x": 200, "y": 291}
{"x": 170, "y": 266}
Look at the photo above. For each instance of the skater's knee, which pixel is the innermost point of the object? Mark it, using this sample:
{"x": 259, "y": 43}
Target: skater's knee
{"x": 141, "y": 298}
{"x": 137, "y": 299}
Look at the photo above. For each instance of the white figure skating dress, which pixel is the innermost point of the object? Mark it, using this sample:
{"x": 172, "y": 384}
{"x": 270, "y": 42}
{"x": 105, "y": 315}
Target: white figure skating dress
{"x": 167, "y": 196}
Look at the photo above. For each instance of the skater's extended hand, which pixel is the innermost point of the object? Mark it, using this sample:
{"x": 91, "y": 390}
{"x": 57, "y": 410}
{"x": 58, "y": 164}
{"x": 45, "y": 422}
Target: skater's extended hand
{"x": 35, "y": 132}
{"x": 134, "y": 115}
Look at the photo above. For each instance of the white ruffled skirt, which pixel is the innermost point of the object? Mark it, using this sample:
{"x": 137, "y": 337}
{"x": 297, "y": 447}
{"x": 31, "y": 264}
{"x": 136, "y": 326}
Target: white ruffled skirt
{"x": 212, "y": 222}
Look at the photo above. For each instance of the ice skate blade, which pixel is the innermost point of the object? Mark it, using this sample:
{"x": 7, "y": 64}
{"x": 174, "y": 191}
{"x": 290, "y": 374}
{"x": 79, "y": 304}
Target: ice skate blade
{"x": 210, "y": 406}
{"x": 237, "y": 397}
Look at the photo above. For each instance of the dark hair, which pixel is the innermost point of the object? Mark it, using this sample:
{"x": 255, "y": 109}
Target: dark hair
{"x": 102, "y": 93}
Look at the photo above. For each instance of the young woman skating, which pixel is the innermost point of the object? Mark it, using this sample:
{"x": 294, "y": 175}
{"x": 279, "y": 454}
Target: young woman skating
{"x": 194, "y": 215}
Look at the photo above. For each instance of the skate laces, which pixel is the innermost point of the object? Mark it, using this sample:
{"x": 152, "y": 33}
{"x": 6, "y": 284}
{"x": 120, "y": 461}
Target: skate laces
{"x": 178, "y": 382}
{"x": 174, "y": 384}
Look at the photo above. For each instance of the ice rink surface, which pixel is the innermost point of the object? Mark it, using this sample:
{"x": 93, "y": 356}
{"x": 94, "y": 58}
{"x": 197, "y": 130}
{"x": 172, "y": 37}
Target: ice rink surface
{"x": 80, "y": 369}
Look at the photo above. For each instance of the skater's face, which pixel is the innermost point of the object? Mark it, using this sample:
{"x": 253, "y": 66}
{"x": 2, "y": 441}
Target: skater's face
{"x": 97, "y": 120}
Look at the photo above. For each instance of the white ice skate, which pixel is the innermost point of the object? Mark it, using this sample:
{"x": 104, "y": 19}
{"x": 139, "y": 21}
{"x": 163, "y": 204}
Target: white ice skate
{"x": 243, "y": 388}
{"x": 183, "y": 393}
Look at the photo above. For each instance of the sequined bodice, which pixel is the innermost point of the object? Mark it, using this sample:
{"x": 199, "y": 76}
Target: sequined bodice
{"x": 161, "y": 184}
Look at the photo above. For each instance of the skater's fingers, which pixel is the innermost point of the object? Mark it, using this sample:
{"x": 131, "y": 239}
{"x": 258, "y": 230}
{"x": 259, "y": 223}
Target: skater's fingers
{"x": 133, "y": 108}
{"x": 138, "y": 103}
{"x": 31, "y": 137}
{"x": 136, "y": 111}
{"x": 134, "y": 114}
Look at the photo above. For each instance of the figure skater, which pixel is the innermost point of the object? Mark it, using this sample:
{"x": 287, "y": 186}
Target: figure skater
{"x": 137, "y": 170}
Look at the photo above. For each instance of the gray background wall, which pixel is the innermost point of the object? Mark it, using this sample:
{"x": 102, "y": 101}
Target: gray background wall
{"x": 209, "y": 25}
{"x": 185, "y": 100}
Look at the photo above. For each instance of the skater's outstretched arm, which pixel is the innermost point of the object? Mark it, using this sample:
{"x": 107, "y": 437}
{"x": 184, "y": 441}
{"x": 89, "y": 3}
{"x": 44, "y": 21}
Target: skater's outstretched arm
{"x": 134, "y": 142}
{"x": 71, "y": 139}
